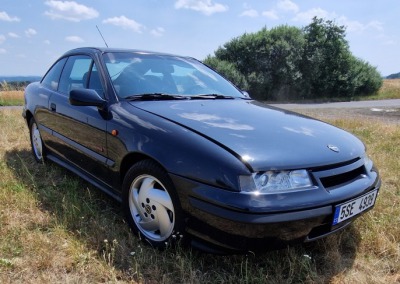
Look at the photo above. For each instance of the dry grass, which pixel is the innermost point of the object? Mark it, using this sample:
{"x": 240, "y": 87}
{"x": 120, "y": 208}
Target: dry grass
{"x": 389, "y": 90}
{"x": 11, "y": 98}
{"x": 55, "y": 228}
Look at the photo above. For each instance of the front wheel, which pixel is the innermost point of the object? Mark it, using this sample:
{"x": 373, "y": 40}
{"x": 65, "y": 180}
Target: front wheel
{"x": 38, "y": 148}
{"x": 151, "y": 204}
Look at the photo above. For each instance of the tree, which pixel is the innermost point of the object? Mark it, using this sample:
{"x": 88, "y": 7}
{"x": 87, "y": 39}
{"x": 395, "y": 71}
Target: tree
{"x": 229, "y": 70}
{"x": 287, "y": 62}
{"x": 268, "y": 60}
{"x": 326, "y": 61}
{"x": 248, "y": 53}
{"x": 284, "y": 57}
{"x": 365, "y": 78}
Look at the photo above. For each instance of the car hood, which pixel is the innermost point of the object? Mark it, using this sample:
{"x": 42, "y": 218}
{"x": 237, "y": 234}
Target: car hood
{"x": 262, "y": 136}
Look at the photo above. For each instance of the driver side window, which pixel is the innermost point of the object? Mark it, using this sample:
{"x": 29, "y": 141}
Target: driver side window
{"x": 80, "y": 72}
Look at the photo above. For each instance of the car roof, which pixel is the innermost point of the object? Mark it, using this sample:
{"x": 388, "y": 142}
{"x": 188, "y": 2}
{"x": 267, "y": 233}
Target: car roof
{"x": 93, "y": 50}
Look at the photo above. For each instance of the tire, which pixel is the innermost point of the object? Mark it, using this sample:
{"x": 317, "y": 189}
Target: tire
{"x": 38, "y": 148}
{"x": 151, "y": 205}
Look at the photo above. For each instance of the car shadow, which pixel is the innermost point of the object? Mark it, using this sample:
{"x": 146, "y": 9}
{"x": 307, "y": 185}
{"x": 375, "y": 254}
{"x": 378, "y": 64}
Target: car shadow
{"x": 92, "y": 217}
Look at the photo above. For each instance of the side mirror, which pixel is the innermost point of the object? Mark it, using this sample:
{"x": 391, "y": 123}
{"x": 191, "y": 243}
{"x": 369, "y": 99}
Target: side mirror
{"x": 86, "y": 97}
{"x": 246, "y": 94}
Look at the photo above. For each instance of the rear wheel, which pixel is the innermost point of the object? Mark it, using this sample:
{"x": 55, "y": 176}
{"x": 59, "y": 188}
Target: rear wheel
{"x": 38, "y": 148}
{"x": 151, "y": 205}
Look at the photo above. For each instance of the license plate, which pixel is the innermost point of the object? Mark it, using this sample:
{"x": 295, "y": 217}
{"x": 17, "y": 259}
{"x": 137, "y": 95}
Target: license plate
{"x": 354, "y": 207}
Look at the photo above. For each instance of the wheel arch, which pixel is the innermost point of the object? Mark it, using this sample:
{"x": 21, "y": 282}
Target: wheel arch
{"x": 132, "y": 158}
{"x": 28, "y": 116}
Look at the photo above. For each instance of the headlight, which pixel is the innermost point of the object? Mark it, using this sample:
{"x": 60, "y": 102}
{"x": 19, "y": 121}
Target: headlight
{"x": 275, "y": 181}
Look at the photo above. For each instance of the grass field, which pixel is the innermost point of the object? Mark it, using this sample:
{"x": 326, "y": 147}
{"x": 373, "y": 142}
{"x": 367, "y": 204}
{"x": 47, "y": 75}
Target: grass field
{"x": 55, "y": 228}
{"x": 11, "y": 98}
{"x": 389, "y": 90}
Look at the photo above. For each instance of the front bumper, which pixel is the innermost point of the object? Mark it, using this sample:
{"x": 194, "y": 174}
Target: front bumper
{"x": 216, "y": 220}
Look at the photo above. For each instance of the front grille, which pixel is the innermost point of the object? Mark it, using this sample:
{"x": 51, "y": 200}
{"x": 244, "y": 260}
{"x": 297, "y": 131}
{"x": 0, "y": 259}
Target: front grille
{"x": 335, "y": 180}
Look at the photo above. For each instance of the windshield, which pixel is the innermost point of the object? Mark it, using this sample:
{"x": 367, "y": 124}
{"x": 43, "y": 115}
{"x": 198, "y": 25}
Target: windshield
{"x": 135, "y": 74}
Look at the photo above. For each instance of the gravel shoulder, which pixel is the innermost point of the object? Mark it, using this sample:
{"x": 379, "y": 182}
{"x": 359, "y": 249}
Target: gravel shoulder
{"x": 386, "y": 110}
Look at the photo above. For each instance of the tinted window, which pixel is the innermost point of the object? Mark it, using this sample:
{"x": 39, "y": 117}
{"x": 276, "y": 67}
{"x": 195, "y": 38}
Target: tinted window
{"x": 136, "y": 74}
{"x": 52, "y": 77}
{"x": 74, "y": 75}
{"x": 95, "y": 82}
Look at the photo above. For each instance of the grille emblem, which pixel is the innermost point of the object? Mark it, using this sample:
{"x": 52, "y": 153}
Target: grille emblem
{"x": 333, "y": 148}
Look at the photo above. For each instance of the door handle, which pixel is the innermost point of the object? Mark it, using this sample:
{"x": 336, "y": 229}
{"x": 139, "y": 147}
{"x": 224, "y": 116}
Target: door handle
{"x": 53, "y": 107}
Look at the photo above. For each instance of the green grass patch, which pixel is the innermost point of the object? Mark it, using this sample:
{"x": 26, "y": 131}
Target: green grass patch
{"x": 55, "y": 227}
{"x": 11, "y": 98}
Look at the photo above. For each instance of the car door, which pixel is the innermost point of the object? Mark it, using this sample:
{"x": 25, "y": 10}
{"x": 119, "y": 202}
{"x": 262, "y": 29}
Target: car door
{"x": 80, "y": 131}
{"x": 47, "y": 88}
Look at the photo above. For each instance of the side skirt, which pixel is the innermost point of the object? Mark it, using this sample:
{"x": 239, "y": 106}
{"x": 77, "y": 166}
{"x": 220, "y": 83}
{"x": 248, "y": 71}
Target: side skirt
{"x": 103, "y": 187}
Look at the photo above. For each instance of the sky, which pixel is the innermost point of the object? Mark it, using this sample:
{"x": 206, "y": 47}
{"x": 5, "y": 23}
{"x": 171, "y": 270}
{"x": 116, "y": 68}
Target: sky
{"x": 34, "y": 33}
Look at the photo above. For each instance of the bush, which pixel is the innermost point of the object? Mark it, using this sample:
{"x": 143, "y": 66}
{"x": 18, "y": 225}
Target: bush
{"x": 229, "y": 70}
{"x": 291, "y": 63}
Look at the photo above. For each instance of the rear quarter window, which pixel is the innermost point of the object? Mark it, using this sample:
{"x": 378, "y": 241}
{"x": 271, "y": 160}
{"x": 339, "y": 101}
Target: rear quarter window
{"x": 52, "y": 77}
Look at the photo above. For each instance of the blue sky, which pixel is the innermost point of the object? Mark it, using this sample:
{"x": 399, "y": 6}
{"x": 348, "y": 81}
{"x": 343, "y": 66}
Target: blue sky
{"x": 34, "y": 33}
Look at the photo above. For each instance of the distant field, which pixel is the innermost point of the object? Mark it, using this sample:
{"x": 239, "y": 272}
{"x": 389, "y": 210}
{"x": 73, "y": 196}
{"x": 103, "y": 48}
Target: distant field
{"x": 389, "y": 90}
{"x": 56, "y": 228}
{"x": 11, "y": 98}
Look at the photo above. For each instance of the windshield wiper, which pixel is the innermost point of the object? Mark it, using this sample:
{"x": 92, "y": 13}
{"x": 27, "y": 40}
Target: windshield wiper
{"x": 155, "y": 97}
{"x": 211, "y": 97}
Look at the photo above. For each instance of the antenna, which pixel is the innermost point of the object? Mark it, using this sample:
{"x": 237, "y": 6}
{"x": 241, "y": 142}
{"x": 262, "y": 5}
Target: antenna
{"x": 102, "y": 36}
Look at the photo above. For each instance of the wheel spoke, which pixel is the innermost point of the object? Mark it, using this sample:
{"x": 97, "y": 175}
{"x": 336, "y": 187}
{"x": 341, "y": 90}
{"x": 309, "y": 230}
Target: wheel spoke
{"x": 162, "y": 198}
{"x": 164, "y": 222}
{"x": 151, "y": 225}
{"x": 146, "y": 185}
{"x": 134, "y": 198}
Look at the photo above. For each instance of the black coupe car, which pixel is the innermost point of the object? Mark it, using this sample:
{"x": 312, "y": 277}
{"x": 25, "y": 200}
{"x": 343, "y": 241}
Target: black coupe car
{"x": 191, "y": 157}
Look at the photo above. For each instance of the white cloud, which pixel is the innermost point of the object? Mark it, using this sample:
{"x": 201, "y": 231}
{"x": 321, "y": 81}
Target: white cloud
{"x": 287, "y": 5}
{"x": 249, "y": 13}
{"x": 356, "y": 26}
{"x": 350, "y": 25}
{"x": 207, "y": 7}
{"x": 46, "y": 41}
{"x": 30, "y": 32}
{"x": 13, "y": 35}
{"x": 5, "y": 17}
{"x": 125, "y": 23}
{"x": 271, "y": 14}
{"x": 281, "y": 6}
{"x": 2, "y": 39}
{"x": 376, "y": 25}
{"x": 70, "y": 10}
{"x": 75, "y": 39}
{"x": 3, "y": 51}
{"x": 157, "y": 32}
{"x": 306, "y": 17}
